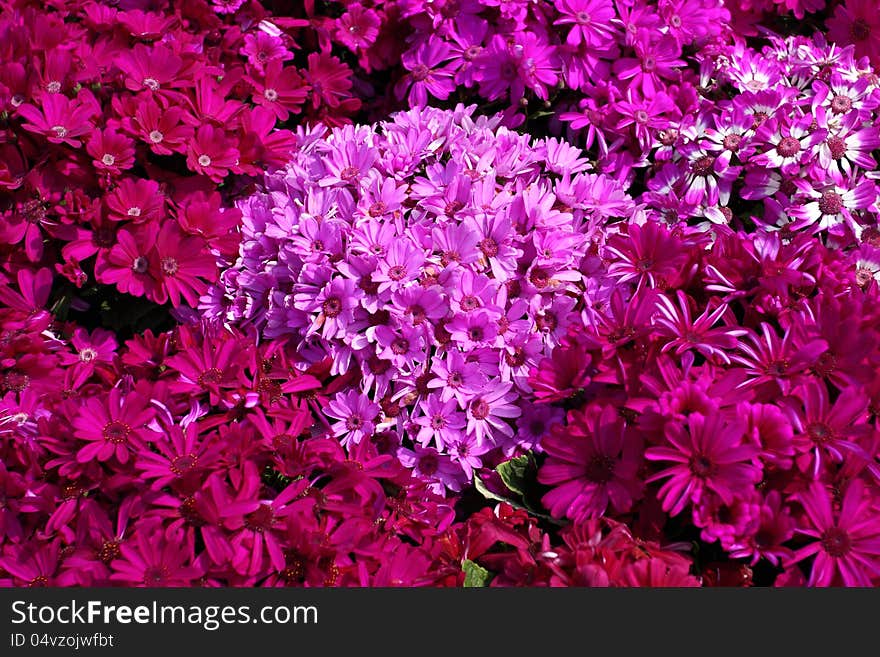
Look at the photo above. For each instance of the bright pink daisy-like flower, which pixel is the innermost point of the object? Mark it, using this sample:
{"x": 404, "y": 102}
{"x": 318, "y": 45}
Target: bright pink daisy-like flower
{"x": 112, "y": 426}
{"x": 99, "y": 347}
{"x": 430, "y": 72}
{"x": 567, "y": 370}
{"x": 127, "y": 264}
{"x": 281, "y": 90}
{"x": 210, "y": 369}
{"x": 111, "y": 151}
{"x": 684, "y": 333}
{"x": 154, "y": 557}
{"x": 181, "y": 454}
{"x": 164, "y": 130}
{"x": 136, "y": 199}
{"x": 59, "y": 118}
{"x": 590, "y": 20}
{"x": 649, "y": 254}
{"x": 847, "y": 545}
{"x": 592, "y": 462}
{"x": 358, "y": 27}
{"x": 709, "y": 455}
{"x": 824, "y": 430}
{"x": 150, "y": 68}
{"x": 356, "y": 415}
{"x": 330, "y": 82}
{"x": 261, "y": 48}
{"x": 211, "y": 153}
{"x": 183, "y": 264}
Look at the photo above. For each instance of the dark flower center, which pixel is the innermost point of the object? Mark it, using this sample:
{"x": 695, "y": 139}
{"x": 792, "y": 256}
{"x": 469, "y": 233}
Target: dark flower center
{"x": 428, "y": 464}
{"x": 489, "y": 247}
{"x": 583, "y": 18}
{"x": 600, "y": 469}
{"x": 830, "y": 203}
{"x": 377, "y": 209}
{"x": 732, "y": 142}
{"x": 169, "y": 266}
{"x": 109, "y": 551}
{"x": 438, "y": 421}
{"x": 184, "y": 463}
{"x": 259, "y": 520}
{"x": 479, "y": 409}
{"x": 701, "y": 466}
{"x": 860, "y": 30}
{"x": 703, "y": 166}
{"x": 836, "y": 542}
{"x": 348, "y": 174}
{"x": 420, "y": 72}
{"x": 469, "y": 302}
{"x": 397, "y": 272}
{"x": 399, "y": 346}
{"x": 116, "y": 432}
{"x": 475, "y": 333}
{"x": 539, "y": 278}
{"x": 788, "y": 147}
{"x": 332, "y": 307}
{"x": 819, "y": 432}
{"x": 837, "y": 147}
{"x": 841, "y": 104}
{"x": 354, "y": 423}
{"x": 210, "y": 376}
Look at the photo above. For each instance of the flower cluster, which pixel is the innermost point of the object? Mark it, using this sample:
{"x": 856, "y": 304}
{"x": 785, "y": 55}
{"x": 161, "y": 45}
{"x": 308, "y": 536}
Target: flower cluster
{"x": 783, "y": 140}
{"x": 192, "y": 458}
{"x": 619, "y": 70}
{"x": 125, "y": 131}
{"x": 633, "y": 343}
{"x": 438, "y": 257}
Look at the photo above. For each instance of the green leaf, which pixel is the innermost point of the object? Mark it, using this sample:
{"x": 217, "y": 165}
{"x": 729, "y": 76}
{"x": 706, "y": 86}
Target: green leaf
{"x": 475, "y": 576}
{"x": 515, "y": 473}
{"x": 485, "y": 492}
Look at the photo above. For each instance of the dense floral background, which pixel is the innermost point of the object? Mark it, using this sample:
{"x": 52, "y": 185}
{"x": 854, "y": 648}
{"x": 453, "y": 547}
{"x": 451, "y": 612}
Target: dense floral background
{"x": 442, "y": 293}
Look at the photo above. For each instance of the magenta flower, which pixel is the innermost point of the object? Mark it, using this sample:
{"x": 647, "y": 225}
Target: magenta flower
{"x": 183, "y": 266}
{"x": 684, "y": 333}
{"x": 592, "y": 463}
{"x": 847, "y": 539}
{"x": 708, "y": 456}
{"x": 60, "y": 119}
{"x": 154, "y": 557}
{"x": 430, "y": 72}
{"x": 590, "y": 20}
{"x": 112, "y": 427}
